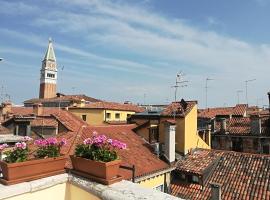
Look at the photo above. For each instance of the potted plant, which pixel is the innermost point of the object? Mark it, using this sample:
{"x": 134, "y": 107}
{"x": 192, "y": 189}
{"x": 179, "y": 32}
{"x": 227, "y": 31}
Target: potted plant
{"x": 18, "y": 167}
{"x": 97, "y": 156}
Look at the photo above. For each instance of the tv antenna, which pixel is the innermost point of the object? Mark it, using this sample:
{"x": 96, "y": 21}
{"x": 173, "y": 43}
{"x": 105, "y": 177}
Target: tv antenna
{"x": 179, "y": 82}
{"x": 206, "y": 90}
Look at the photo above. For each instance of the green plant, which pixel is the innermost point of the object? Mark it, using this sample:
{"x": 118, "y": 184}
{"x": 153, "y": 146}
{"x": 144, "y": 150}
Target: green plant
{"x": 18, "y": 154}
{"x": 49, "y": 148}
{"x": 99, "y": 148}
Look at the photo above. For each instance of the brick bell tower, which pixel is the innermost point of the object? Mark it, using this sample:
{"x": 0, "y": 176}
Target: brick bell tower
{"x": 48, "y": 74}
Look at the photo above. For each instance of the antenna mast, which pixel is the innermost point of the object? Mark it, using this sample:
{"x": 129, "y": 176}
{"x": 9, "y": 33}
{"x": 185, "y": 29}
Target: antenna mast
{"x": 206, "y": 91}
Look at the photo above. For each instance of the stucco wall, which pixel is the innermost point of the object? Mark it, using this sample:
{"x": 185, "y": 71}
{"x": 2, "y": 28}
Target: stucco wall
{"x": 153, "y": 182}
{"x": 56, "y": 192}
{"x": 75, "y": 193}
{"x": 192, "y": 139}
{"x": 93, "y": 116}
{"x": 123, "y": 115}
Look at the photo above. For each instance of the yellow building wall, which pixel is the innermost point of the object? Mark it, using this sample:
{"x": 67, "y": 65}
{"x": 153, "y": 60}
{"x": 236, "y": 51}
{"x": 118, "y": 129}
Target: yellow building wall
{"x": 98, "y": 116}
{"x": 153, "y": 182}
{"x": 123, "y": 115}
{"x": 76, "y": 193}
{"x": 93, "y": 116}
{"x": 192, "y": 138}
{"x": 56, "y": 192}
{"x": 180, "y": 135}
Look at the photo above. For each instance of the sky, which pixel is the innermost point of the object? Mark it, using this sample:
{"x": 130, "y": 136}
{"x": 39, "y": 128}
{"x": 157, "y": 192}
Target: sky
{"x": 131, "y": 50}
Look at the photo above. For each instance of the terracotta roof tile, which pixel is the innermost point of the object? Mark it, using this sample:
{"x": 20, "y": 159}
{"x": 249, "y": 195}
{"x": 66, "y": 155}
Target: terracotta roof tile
{"x": 242, "y": 176}
{"x": 180, "y": 108}
{"x": 78, "y": 97}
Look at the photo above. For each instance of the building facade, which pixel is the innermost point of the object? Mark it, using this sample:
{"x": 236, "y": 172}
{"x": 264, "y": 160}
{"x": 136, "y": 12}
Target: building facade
{"x": 183, "y": 114}
{"x": 48, "y": 74}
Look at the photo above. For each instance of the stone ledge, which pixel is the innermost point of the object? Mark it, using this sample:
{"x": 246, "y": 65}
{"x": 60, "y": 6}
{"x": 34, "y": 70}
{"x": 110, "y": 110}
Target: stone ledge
{"x": 118, "y": 191}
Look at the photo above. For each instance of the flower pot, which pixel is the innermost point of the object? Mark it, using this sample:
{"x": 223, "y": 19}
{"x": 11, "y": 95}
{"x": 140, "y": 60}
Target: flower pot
{"x": 103, "y": 170}
{"x": 31, "y": 170}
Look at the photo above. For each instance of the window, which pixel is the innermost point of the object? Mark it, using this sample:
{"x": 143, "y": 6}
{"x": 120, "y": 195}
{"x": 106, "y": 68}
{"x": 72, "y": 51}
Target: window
{"x": 108, "y": 115}
{"x": 195, "y": 179}
{"x": 159, "y": 188}
{"x": 50, "y": 75}
{"x": 84, "y": 117}
{"x": 128, "y": 115}
{"x": 153, "y": 134}
{"x": 117, "y": 115}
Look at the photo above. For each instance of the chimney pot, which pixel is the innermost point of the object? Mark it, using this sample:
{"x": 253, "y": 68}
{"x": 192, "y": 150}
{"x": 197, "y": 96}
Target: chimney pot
{"x": 170, "y": 142}
{"x": 215, "y": 191}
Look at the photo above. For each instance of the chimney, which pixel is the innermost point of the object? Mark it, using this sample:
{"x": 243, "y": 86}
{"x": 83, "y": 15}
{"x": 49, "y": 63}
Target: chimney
{"x": 256, "y": 124}
{"x": 215, "y": 191}
{"x": 223, "y": 125}
{"x": 38, "y": 109}
{"x": 170, "y": 141}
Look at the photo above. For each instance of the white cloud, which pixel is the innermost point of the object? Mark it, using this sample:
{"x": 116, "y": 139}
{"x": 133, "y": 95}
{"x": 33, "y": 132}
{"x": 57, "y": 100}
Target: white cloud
{"x": 17, "y": 8}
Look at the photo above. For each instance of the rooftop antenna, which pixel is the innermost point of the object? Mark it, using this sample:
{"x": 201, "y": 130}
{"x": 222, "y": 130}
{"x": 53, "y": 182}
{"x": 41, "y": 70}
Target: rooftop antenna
{"x": 206, "y": 91}
{"x": 247, "y": 81}
{"x": 238, "y": 95}
{"x": 179, "y": 82}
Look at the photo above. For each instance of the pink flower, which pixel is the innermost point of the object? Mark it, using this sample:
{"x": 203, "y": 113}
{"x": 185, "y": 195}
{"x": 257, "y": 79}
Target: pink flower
{"x": 20, "y": 145}
{"x": 88, "y": 141}
{"x": 3, "y": 146}
{"x": 51, "y": 141}
{"x": 27, "y": 138}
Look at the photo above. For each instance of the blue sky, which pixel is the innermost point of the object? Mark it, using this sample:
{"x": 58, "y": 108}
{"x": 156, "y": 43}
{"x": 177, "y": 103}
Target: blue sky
{"x": 121, "y": 50}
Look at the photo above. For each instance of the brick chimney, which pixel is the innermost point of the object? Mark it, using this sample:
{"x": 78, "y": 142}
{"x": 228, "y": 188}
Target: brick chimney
{"x": 38, "y": 109}
{"x": 215, "y": 191}
{"x": 170, "y": 141}
{"x": 223, "y": 127}
{"x": 256, "y": 124}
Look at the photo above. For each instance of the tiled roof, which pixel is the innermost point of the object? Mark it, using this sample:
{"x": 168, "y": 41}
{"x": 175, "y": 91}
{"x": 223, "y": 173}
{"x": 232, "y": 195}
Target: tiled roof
{"x": 238, "y": 110}
{"x": 78, "y": 97}
{"x": 112, "y": 106}
{"x": 242, "y": 176}
{"x": 242, "y": 126}
{"x": 41, "y": 121}
{"x": 193, "y": 162}
{"x": 180, "y": 108}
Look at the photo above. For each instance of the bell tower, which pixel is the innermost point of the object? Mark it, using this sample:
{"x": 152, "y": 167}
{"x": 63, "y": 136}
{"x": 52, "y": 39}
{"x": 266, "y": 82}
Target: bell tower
{"x": 48, "y": 74}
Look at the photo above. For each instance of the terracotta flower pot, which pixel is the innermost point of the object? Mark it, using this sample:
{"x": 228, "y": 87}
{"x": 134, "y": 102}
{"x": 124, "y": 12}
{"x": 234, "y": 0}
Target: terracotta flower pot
{"x": 31, "y": 170}
{"x": 104, "y": 170}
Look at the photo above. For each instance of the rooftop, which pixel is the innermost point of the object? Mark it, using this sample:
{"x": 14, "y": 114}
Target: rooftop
{"x": 110, "y": 106}
{"x": 241, "y": 175}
